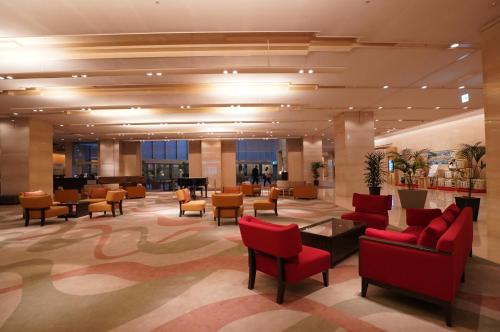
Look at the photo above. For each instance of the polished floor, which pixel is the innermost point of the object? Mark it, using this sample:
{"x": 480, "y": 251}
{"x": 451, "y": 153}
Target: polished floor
{"x": 151, "y": 270}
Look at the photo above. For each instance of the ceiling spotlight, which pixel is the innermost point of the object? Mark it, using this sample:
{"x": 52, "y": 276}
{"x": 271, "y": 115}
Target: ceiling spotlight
{"x": 461, "y": 87}
{"x": 400, "y": 120}
{"x": 386, "y": 87}
{"x": 282, "y": 105}
{"x": 437, "y": 107}
{"x": 61, "y": 125}
{"x": 310, "y": 71}
{"x": 84, "y": 75}
{"x": 149, "y": 74}
{"x": 454, "y": 45}
{"x": 423, "y": 87}
{"x": 409, "y": 107}
{"x": 329, "y": 120}
{"x": 2, "y": 78}
{"x": 62, "y": 139}
{"x": 182, "y": 106}
{"x": 380, "y": 107}
{"x": 301, "y": 71}
{"x": 377, "y": 120}
{"x": 287, "y": 105}
{"x": 225, "y": 72}
{"x": 15, "y": 113}
{"x": 74, "y": 76}
{"x": 234, "y": 72}
{"x": 159, "y": 74}
{"x": 9, "y": 77}
{"x": 188, "y": 106}
{"x": 35, "y": 110}
{"x": 91, "y": 133}
{"x": 351, "y": 107}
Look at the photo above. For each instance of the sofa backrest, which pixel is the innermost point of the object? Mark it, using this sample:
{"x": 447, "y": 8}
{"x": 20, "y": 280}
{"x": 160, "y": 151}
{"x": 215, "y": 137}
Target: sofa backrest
{"x": 458, "y": 237}
{"x": 378, "y": 204}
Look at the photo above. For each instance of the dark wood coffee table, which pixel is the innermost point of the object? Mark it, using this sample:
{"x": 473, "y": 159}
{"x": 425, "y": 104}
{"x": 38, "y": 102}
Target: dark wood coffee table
{"x": 338, "y": 237}
{"x": 77, "y": 209}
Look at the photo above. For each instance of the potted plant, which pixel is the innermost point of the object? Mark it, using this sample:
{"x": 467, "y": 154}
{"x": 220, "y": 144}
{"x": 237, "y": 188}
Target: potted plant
{"x": 375, "y": 171}
{"x": 408, "y": 162}
{"x": 315, "y": 166}
{"x": 473, "y": 154}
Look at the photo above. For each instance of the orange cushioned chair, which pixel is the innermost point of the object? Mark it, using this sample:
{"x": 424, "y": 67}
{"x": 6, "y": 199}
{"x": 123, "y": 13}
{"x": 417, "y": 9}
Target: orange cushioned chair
{"x": 114, "y": 199}
{"x": 38, "y": 206}
{"x": 306, "y": 191}
{"x": 231, "y": 190}
{"x": 136, "y": 191}
{"x": 227, "y": 206}
{"x": 271, "y": 203}
{"x": 66, "y": 195}
{"x": 186, "y": 204}
{"x": 251, "y": 189}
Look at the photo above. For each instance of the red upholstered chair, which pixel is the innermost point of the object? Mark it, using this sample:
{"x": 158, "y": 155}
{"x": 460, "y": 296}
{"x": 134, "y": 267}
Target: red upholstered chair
{"x": 278, "y": 251}
{"x": 371, "y": 209}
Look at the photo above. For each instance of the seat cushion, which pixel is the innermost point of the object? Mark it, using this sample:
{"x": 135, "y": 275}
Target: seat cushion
{"x": 53, "y": 211}
{"x": 93, "y": 200}
{"x": 391, "y": 236}
{"x": 262, "y": 204}
{"x": 98, "y": 192}
{"x": 100, "y": 207}
{"x": 414, "y": 230}
{"x": 451, "y": 213}
{"x": 431, "y": 234}
{"x": 194, "y": 205}
{"x": 377, "y": 221}
{"x": 308, "y": 262}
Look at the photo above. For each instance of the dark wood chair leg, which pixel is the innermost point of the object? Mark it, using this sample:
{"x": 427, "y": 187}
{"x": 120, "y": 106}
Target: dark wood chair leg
{"x": 26, "y": 218}
{"x": 201, "y": 214}
{"x": 463, "y": 277}
{"x": 218, "y": 216}
{"x": 281, "y": 281}
{"x": 470, "y": 253}
{"x": 326, "y": 278}
{"x": 65, "y": 217}
{"x": 90, "y": 215}
{"x": 251, "y": 269}
{"x": 448, "y": 308}
{"x": 121, "y": 208}
{"x": 364, "y": 287}
{"x": 255, "y": 213}
{"x": 42, "y": 222}
{"x": 104, "y": 212}
{"x": 276, "y": 209}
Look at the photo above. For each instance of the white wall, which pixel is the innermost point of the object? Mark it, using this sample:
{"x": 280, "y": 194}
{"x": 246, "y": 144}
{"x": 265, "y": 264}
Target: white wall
{"x": 446, "y": 134}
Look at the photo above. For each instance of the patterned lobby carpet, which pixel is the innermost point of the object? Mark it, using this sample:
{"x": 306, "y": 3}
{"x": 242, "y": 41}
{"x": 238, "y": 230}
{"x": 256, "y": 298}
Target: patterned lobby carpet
{"x": 150, "y": 270}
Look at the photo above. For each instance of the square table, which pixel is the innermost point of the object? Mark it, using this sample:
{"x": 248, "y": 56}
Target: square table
{"x": 76, "y": 209}
{"x": 339, "y": 237}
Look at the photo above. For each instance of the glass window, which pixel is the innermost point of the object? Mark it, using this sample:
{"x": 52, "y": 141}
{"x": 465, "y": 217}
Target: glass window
{"x": 172, "y": 150}
{"x": 85, "y": 159}
{"x": 182, "y": 150}
{"x": 147, "y": 150}
{"x": 158, "y": 150}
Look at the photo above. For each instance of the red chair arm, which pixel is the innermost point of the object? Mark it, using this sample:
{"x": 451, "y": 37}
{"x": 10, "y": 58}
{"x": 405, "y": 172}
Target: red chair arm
{"x": 421, "y": 217}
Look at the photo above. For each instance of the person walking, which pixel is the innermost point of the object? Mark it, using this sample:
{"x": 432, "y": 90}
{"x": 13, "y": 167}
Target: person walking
{"x": 267, "y": 175}
{"x": 255, "y": 175}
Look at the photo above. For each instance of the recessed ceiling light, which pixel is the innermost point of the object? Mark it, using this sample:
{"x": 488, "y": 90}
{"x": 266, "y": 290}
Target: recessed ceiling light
{"x": 15, "y": 113}
{"x": 374, "y": 128}
{"x": 61, "y": 125}
{"x": 188, "y": 106}
{"x": 454, "y": 45}
{"x": 35, "y": 110}
{"x": 461, "y": 87}
{"x": 437, "y": 107}
{"x": 91, "y": 133}
{"x": 40, "y": 110}
{"x": 159, "y": 74}
{"x": 329, "y": 120}
{"x": 423, "y": 87}
{"x": 149, "y": 74}
{"x": 409, "y": 107}
{"x": 380, "y": 107}
{"x": 310, "y": 71}
{"x": 2, "y": 78}
{"x": 182, "y": 106}
{"x": 386, "y": 87}
{"x": 9, "y": 77}
{"x": 282, "y": 105}
{"x": 62, "y": 139}
{"x": 465, "y": 107}
{"x": 234, "y": 72}
{"x": 351, "y": 107}
{"x": 377, "y": 120}
{"x": 400, "y": 120}
{"x": 287, "y": 105}
{"x": 83, "y": 75}
{"x": 74, "y": 76}
{"x": 301, "y": 71}
{"x": 225, "y": 72}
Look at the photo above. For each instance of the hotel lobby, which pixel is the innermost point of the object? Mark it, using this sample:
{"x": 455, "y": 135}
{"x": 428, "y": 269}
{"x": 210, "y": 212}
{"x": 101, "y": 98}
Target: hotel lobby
{"x": 294, "y": 165}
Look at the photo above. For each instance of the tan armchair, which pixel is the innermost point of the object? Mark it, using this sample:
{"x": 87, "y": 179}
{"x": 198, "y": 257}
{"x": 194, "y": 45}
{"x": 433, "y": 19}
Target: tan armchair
{"x": 227, "y": 206}
{"x": 40, "y": 207}
{"x": 251, "y": 189}
{"x": 271, "y": 203}
{"x": 114, "y": 200}
{"x": 96, "y": 194}
{"x": 186, "y": 204}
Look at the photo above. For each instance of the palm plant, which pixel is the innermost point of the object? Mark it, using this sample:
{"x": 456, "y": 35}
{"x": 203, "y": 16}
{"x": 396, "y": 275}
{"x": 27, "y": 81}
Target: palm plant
{"x": 375, "y": 171}
{"x": 473, "y": 153}
{"x": 408, "y": 162}
{"x": 315, "y": 166}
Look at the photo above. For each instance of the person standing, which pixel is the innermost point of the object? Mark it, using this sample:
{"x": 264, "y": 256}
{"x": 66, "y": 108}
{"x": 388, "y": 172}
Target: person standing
{"x": 267, "y": 175}
{"x": 255, "y": 175}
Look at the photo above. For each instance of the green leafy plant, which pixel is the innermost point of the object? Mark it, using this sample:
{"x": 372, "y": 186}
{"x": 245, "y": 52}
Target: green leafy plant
{"x": 473, "y": 153}
{"x": 375, "y": 171}
{"x": 408, "y": 162}
{"x": 315, "y": 166}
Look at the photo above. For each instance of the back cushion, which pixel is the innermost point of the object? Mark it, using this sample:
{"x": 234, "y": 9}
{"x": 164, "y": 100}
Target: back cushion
{"x": 187, "y": 195}
{"x": 371, "y": 203}
{"x": 391, "y": 236}
{"x": 34, "y": 193}
{"x": 451, "y": 213}
{"x": 98, "y": 192}
{"x": 431, "y": 234}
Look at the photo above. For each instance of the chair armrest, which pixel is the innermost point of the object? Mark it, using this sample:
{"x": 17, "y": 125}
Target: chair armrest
{"x": 421, "y": 217}
{"x": 410, "y": 267}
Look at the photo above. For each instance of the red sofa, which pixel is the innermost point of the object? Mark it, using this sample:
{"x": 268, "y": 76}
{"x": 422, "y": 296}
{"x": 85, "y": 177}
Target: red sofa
{"x": 427, "y": 260}
{"x": 371, "y": 209}
{"x": 278, "y": 251}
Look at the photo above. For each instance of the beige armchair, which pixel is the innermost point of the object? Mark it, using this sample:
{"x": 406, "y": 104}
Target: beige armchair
{"x": 186, "y": 204}
{"x": 227, "y": 206}
{"x": 114, "y": 200}
{"x": 271, "y": 203}
{"x": 40, "y": 207}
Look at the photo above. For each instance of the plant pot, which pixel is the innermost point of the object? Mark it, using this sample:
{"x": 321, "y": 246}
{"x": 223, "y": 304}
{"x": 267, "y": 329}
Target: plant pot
{"x": 414, "y": 198}
{"x": 473, "y": 202}
{"x": 316, "y": 182}
{"x": 374, "y": 190}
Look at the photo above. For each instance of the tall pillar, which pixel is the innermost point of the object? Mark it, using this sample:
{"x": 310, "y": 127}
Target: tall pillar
{"x": 109, "y": 158}
{"x": 194, "y": 158}
{"x": 312, "y": 151}
{"x": 26, "y": 146}
{"x": 130, "y": 159}
{"x": 490, "y": 48}
{"x": 228, "y": 160}
{"x": 354, "y": 137}
{"x": 211, "y": 163}
{"x": 68, "y": 159}
{"x": 295, "y": 161}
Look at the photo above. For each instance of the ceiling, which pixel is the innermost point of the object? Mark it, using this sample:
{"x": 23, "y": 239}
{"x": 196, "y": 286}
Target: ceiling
{"x": 140, "y": 69}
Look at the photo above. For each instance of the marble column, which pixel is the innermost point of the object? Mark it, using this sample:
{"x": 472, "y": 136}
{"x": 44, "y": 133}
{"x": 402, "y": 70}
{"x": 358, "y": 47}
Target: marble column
{"x": 295, "y": 160}
{"x": 194, "y": 158}
{"x": 109, "y": 158}
{"x": 27, "y": 164}
{"x": 211, "y": 163}
{"x": 228, "y": 160}
{"x": 490, "y": 47}
{"x": 130, "y": 159}
{"x": 354, "y": 137}
{"x": 312, "y": 151}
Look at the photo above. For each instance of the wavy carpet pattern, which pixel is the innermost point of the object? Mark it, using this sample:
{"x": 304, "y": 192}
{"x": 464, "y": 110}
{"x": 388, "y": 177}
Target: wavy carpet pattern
{"x": 151, "y": 270}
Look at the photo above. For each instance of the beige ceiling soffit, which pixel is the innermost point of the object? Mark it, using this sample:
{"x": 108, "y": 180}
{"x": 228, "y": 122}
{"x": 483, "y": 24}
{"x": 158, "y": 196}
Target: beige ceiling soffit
{"x": 410, "y": 45}
{"x": 292, "y": 86}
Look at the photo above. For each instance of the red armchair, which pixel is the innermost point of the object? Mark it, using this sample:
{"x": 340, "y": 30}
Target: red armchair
{"x": 370, "y": 209}
{"x": 278, "y": 251}
{"x": 427, "y": 260}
